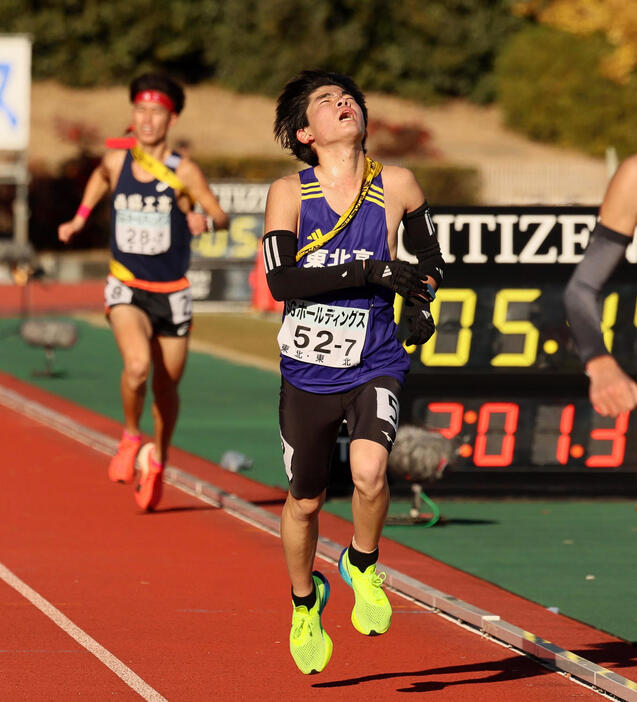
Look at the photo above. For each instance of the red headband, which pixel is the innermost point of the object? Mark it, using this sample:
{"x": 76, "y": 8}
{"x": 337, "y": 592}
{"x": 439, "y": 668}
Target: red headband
{"x": 155, "y": 96}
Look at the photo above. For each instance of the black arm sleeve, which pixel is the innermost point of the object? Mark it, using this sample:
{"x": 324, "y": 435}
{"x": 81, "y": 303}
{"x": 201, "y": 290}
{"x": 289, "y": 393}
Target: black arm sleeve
{"x": 420, "y": 237}
{"x": 582, "y": 294}
{"x": 287, "y": 282}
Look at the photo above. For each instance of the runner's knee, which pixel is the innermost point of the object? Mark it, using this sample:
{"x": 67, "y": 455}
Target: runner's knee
{"x": 304, "y": 509}
{"x": 136, "y": 371}
{"x": 370, "y": 478}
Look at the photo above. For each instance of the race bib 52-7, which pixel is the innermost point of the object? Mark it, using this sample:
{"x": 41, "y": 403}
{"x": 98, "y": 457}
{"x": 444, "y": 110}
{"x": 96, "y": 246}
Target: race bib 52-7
{"x": 325, "y": 335}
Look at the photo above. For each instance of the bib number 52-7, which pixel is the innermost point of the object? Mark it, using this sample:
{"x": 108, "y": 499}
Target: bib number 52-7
{"x": 325, "y": 337}
{"x": 322, "y": 334}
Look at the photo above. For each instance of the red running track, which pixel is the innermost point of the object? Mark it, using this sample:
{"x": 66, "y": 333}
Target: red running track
{"x": 51, "y": 297}
{"x": 196, "y": 602}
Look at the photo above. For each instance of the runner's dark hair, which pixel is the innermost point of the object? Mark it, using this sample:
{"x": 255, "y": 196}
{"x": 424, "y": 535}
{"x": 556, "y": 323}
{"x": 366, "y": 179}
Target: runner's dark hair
{"x": 162, "y": 83}
{"x": 291, "y": 108}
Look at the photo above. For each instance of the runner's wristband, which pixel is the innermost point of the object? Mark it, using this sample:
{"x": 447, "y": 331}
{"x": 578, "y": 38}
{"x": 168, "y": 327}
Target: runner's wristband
{"x": 288, "y": 282}
{"x": 420, "y": 237}
{"x": 84, "y": 211}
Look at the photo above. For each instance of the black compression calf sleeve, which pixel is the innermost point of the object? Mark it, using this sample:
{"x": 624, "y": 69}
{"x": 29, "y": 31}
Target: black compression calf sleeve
{"x": 420, "y": 237}
{"x": 287, "y": 282}
{"x": 582, "y": 295}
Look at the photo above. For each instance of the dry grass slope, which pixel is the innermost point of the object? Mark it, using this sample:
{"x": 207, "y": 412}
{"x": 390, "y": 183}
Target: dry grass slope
{"x": 218, "y": 122}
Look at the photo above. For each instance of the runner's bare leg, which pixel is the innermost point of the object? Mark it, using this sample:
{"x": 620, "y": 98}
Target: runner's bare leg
{"x": 132, "y": 331}
{"x": 169, "y": 361}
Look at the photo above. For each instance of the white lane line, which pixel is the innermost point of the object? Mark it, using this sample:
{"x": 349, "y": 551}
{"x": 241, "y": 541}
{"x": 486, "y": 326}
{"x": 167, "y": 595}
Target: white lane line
{"x": 133, "y": 680}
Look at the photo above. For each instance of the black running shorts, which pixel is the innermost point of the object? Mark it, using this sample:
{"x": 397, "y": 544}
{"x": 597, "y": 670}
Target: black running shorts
{"x": 170, "y": 314}
{"x": 309, "y": 424}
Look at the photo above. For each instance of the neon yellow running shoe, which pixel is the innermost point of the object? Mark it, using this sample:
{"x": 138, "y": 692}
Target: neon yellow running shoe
{"x": 371, "y": 614}
{"x": 310, "y": 645}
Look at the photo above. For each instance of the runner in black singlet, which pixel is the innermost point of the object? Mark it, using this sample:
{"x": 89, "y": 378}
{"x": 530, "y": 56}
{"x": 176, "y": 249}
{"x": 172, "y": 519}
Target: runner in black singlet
{"x": 147, "y": 296}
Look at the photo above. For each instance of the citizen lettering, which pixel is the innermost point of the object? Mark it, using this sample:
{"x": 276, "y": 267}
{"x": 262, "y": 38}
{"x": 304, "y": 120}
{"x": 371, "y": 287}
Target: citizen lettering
{"x": 545, "y": 224}
{"x": 514, "y": 235}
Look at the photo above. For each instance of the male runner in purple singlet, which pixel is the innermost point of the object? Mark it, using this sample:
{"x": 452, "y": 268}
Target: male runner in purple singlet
{"x": 330, "y": 252}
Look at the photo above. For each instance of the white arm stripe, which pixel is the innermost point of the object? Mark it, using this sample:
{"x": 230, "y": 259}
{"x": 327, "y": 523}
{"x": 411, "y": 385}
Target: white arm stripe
{"x": 271, "y": 254}
{"x": 430, "y": 225}
{"x": 275, "y": 252}
{"x": 267, "y": 257}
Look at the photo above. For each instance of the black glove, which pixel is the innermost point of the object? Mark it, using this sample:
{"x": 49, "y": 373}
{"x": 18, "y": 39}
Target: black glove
{"x": 420, "y": 322}
{"x": 399, "y": 276}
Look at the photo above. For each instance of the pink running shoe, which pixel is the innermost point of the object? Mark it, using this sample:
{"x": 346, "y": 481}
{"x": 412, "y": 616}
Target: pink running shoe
{"x": 121, "y": 469}
{"x": 149, "y": 488}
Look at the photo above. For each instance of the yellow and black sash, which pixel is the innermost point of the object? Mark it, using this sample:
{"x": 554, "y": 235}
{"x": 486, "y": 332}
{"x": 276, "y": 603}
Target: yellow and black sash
{"x": 165, "y": 175}
{"x": 372, "y": 169}
{"x": 158, "y": 169}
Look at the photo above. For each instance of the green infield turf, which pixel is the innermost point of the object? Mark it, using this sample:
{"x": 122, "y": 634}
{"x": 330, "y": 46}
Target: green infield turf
{"x": 576, "y": 556}
{"x": 225, "y": 406}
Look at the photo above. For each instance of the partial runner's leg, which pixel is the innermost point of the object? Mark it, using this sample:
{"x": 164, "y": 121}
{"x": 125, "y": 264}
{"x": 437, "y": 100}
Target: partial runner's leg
{"x": 169, "y": 361}
{"x": 132, "y": 331}
{"x": 357, "y": 565}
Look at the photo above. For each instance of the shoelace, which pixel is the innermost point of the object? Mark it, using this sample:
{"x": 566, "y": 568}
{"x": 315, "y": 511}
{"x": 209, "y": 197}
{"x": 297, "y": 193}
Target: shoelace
{"x": 377, "y": 580}
{"x": 298, "y": 630}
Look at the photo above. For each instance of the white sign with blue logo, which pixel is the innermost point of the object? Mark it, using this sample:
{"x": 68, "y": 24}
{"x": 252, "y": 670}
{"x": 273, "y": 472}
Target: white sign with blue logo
{"x": 15, "y": 92}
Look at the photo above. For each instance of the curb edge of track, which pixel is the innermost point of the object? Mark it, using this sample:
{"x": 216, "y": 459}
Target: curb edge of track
{"x": 483, "y": 622}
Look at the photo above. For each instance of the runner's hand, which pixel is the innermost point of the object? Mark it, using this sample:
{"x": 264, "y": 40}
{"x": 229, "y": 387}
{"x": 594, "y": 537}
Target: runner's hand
{"x": 68, "y": 230}
{"x": 399, "y": 276}
{"x": 197, "y": 223}
{"x": 419, "y": 321}
{"x": 611, "y": 391}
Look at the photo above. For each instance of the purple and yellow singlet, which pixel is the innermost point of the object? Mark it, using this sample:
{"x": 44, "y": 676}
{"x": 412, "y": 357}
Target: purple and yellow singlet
{"x": 337, "y": 341}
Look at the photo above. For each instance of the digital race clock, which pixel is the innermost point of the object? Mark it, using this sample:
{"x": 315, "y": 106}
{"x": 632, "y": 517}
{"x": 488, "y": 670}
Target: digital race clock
{"x": 500, "y": 377}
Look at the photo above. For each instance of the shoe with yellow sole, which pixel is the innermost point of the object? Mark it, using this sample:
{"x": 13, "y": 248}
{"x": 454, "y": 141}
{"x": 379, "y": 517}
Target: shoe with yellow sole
{"x": 372, "y": 612}
{"x": 310, "y": 645}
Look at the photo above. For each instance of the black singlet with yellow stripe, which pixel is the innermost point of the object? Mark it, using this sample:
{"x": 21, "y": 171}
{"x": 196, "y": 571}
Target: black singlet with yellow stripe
{"x": 149, "y": 233}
